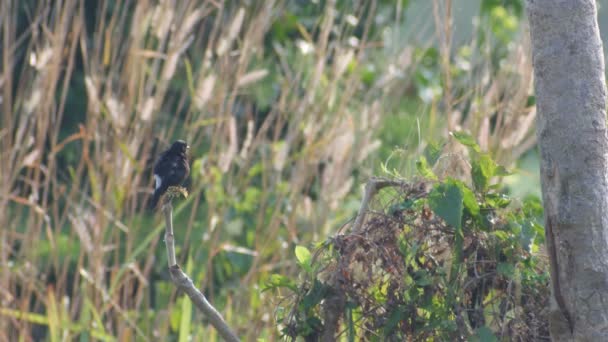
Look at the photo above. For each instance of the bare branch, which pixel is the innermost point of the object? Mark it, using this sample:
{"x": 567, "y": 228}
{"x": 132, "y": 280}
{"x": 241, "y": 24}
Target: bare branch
{"x": 184, "y": 283}
{"x": 169, "y": 237}
{"x": 371, "y": 188}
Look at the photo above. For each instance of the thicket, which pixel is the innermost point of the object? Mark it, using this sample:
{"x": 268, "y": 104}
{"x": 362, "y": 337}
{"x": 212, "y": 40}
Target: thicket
{"x": 436, "y": 260}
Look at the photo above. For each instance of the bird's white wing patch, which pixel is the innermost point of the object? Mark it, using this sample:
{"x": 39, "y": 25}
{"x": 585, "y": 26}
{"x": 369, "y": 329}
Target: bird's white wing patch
{"x": 158, "y": 181}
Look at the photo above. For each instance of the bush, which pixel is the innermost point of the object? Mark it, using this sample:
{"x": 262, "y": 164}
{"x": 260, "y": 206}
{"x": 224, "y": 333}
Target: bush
{"x": 440, "y": 260}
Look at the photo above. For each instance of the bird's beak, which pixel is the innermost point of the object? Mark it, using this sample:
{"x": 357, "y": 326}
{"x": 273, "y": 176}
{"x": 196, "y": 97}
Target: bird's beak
{"x": 187, "y": 147}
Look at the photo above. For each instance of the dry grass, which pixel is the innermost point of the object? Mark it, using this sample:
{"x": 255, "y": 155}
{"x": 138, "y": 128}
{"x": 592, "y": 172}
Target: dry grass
{"x": 90, "y": 91}
{"x": 492, "y": 103}
{"x": 153, "y": 71}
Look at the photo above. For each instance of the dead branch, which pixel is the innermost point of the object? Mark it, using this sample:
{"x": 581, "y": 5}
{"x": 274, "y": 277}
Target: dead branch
{"x": 371, "y": 188}
{"x": 184, "y": 283}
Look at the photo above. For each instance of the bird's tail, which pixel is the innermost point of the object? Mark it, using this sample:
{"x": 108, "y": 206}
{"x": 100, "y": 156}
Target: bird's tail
{"x": 154, "y": 201}
{"x": 156, "y": 197}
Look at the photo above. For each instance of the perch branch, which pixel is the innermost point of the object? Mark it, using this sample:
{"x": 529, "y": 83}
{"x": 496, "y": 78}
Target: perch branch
{"x": 184, "y": 283}
{"x": 169, "y": 237}
{"x": 371, "y": 188}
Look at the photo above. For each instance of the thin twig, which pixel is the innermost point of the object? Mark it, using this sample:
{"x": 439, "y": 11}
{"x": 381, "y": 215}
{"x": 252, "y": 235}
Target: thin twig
{"x": 184, "y": 283}
{"x": 372, "y": 186}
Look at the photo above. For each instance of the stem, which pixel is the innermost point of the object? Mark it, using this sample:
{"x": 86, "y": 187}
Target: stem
{"x": 169, "y": 237}
{"x": 372, "y": 186}
{"x": 184, "y": 283}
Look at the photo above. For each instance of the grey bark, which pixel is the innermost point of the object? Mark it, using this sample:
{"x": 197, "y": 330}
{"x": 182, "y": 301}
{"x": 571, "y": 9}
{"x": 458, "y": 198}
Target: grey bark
{"x": 571, "y": 130}
{"x": 184, "y": 283}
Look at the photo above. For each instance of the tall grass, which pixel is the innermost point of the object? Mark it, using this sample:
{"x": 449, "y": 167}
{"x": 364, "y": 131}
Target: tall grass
{"x": 79, "y": 250}
{"x": 92, "y": 91}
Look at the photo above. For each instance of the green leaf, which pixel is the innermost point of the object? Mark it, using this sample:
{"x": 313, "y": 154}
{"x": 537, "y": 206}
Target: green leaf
{"x": 501, "y": 235}
{"x": 533, "y": 206}
{"x": 468, "y": 197}
{"x": 432, "y": 152}
{"x": 466, "y": 140}
{"x": 446, "y": 200}
{"x": 424, "y": 169}
{"x": 497, "y": 200}
{"x": 483, "y": 169}
{"x": 277, "y": 280}
{"x": 304, "y": 258}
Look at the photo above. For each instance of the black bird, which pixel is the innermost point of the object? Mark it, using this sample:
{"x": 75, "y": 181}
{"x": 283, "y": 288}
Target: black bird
{"x": 171, "y": 169}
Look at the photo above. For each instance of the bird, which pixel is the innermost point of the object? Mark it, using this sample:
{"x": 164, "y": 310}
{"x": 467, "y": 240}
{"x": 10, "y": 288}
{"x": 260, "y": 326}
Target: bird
{"x": 171, "y": 169}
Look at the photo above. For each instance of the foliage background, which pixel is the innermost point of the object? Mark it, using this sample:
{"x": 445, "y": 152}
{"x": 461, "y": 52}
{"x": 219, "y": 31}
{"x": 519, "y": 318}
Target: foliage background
{"x": 289, "y": 107}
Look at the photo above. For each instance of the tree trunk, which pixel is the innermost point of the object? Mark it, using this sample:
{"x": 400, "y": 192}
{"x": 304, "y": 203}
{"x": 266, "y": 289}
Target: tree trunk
{"x": 573, "y": 142}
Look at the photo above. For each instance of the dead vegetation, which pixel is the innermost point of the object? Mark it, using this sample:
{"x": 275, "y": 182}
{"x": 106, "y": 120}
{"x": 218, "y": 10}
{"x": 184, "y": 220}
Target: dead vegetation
{"x": 396, "y": 278}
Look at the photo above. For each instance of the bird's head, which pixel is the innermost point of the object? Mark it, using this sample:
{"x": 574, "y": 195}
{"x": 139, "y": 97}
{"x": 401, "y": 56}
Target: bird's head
{"x": 180, "y": 146}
